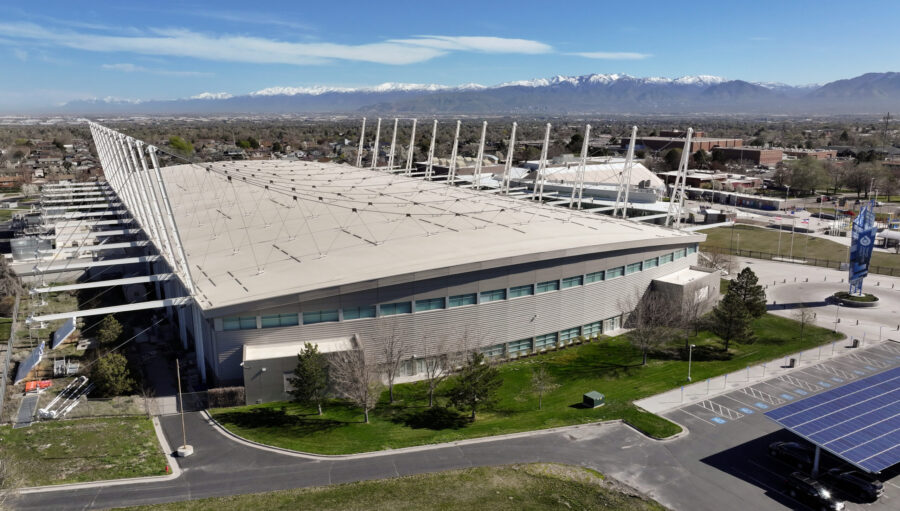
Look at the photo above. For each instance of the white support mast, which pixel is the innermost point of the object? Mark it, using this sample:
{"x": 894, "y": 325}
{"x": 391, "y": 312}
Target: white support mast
{"x": 362, "y": 136}
{"x": 578, "y": 189}
{"x": 451, "y": 172}
{"x": 538, "y": 191}
{"x": 676, "y": 199}
{"x": 510, "y": 151}
{"x": 623, "y": 184}
{"x": 629, "y": 164}
{"x": 430, "y": 164}
{"x": 412, "y": 148}
{"x": 393, "y": 145}
{"x": 375, "y": 149}
{"x": 479, "y": 160}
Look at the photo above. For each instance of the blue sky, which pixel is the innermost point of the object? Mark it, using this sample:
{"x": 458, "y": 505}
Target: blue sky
{"x": 52, "y": 52}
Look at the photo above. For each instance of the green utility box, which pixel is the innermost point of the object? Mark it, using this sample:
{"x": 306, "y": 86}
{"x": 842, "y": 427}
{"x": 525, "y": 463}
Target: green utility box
{"x": 593, "y": 399}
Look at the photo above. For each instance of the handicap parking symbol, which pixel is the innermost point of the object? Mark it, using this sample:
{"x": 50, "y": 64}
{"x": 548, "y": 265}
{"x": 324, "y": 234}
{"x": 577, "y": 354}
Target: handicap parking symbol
{"x": 801, "y": 392}
{"x": 870, "y": 368}
{"x": 837, "y": 379}
{"x": 719, "y": 420}
{"x": 857, "y": 371}
{"x": 824, "y": 384}
{"x": 746, "y": 410}
{"x": 788, "y": 397}
{"x": 761, "y": 406}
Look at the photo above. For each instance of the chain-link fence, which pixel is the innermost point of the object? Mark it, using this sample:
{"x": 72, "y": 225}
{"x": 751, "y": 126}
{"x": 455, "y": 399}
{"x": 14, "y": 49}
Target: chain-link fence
{"x": 809, "y": 261}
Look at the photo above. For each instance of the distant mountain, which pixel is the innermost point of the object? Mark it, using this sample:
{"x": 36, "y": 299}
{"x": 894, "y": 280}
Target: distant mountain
{"x": 593, "y": 93}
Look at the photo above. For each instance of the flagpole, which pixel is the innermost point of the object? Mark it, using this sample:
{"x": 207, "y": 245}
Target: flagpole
{"x": 793, "y": 221}
{"x": 779, "y": 237}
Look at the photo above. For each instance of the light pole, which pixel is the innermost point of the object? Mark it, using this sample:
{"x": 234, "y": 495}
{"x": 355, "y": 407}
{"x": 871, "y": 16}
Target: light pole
{"x": 690, "y": 356}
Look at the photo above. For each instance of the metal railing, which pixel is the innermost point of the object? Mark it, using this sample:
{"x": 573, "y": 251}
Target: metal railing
{"x": 798, "y": 259}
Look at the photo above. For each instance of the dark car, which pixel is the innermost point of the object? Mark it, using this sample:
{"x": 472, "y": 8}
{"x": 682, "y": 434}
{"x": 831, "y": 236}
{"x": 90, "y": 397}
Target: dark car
{"x": 809, "y": 491}
{"x": 798, "y": 455}
{"x": 853, "y": 482}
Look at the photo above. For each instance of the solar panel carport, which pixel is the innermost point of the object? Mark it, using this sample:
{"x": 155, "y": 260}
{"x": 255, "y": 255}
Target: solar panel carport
{"x": 858, "y": 422}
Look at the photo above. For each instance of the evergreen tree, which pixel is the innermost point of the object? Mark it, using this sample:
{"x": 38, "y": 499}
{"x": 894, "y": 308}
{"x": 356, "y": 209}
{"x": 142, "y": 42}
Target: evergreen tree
{"x": 111, "y": 376}
{"x": 310, "y": 380}
{"x": 109, "y": 331}
{"x": 750, "y": 294}
{"x": 476, "y": 385}
{"x": 731, "y": 321}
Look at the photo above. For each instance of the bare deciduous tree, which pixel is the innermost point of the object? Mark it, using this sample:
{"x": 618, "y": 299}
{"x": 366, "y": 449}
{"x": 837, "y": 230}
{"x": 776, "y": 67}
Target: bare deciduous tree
{"x": 10, "y": 482}
{"x": 804, "y": 315}
{"x": 718, "y": 259}
{"x": 394, "y": 350}
{"x": 438, "y": 367}
{"x": 652, "y": 320}
{"x": 355, "y": 380}
{"x": 541, "y": 382}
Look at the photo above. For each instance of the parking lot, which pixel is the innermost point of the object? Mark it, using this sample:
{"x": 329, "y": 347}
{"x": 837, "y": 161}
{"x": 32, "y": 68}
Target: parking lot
{"x": 736, "y": 434}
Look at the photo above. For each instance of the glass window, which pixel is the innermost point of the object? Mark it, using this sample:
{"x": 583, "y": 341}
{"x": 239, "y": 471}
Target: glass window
{"x": 550, "y": 285}
{"x": 365, "y": 311}
{"x": 430, "y": 304}
{"x": 667, "y": 258}
{"x": 278, "y": 320}
{"x": 517, "y": 291}
{"x": 460, "y": 300}
{"x": 248, "y": 322}
{"x": 545, "y": 341}
{"x": 310, "y": 318}
{"x": 611, "y": 324}
{"x": 653, "y": 262}
{"x": 593, "y": 329}
{"x": 391, "y": 309}
{"x": 615, "y": 272}
{"x": 679, "y": 253}
{"x": 597, "y": 276}
{"x": 633, "y": 268}
{"x": 493, "y": 296}
{"x": 572, "y": 281}
{"x": 692, "y": 249}
{"x": 232, "y": 323}
{"x": 569, "y": 335}
{"x": 519, "y": 347}
{"x": 496, "y": 350}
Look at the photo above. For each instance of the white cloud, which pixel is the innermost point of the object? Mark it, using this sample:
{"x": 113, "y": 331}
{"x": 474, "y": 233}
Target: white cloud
{"x": 131, "y": 68}
{"x": 612, "y": 55}
{"x": 176, "y": 42}
{"x": 485, "y": 44}
{"x": 20, "y": 54}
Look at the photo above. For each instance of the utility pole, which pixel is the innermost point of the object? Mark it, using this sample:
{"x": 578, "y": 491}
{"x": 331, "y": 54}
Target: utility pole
{"x": 184, "y": 450}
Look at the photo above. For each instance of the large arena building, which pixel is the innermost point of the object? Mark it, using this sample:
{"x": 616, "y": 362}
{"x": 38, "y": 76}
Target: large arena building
{"x": 274, "y": 254}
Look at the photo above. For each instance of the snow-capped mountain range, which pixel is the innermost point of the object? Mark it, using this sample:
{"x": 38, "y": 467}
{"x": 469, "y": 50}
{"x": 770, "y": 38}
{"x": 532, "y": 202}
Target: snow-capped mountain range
{"x": 592, "y": 93}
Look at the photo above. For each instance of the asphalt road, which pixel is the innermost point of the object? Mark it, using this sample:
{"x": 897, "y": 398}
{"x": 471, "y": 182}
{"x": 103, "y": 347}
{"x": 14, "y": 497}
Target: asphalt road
{"x": 718, "y": 465}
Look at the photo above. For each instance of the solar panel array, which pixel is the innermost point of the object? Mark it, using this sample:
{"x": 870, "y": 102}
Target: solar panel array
{"x": 858, "y": 422}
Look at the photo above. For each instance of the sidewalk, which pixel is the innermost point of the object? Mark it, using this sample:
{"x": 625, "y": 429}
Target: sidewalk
{"x": 705, "y": 389}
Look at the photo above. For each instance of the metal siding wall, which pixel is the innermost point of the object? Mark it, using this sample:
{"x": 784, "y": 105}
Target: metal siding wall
{"x": 488, "y": 324}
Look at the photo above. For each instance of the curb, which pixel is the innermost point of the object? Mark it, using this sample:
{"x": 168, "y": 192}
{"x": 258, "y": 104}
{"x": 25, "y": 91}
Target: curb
{"x": 170, "y": 459}
{"x": 417, "y": 448}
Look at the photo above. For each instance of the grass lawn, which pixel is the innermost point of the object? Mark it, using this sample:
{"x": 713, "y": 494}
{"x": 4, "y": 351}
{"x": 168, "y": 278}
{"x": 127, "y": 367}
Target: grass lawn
{"x": 515, "y": 487}
{"x": 71, "y": 451}
{"x": 5, "y": 325}
{"x": 610, "y": 366}
{"x": 766, "y": 240}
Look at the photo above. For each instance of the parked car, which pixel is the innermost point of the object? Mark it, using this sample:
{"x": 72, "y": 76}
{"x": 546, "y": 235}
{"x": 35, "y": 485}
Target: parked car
{"x": 853, "y": 482}
{"x": 793, "y": 453}
{"x": 809, "y": 491}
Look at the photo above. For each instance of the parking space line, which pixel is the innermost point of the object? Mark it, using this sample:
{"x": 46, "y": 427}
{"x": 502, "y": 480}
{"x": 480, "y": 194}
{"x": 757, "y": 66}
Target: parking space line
{"x": 694, "y": 416}
{"x": 869, "y": 362}
{"x": 762, "y": 396}
{"x": 729, "y": 396}
{"x": 797, "y": 382}
{"x": 718, "y": 409}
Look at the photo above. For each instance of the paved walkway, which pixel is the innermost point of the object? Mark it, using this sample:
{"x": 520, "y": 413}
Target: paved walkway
{"x": 27, "y": 409}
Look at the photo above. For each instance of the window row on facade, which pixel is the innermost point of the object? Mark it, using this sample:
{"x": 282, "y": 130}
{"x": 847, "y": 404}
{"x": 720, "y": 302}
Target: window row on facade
{"x": 552, "y": 340}
{"x": 429, "y": 304}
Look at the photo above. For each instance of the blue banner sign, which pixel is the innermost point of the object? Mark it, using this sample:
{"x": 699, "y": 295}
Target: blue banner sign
{"x": 863, "y": 241}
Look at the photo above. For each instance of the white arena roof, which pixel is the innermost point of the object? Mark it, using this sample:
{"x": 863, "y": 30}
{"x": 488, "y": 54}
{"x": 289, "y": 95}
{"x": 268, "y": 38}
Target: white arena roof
{"x": 254, "y": 230}
{"x": 594, "y": 173}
